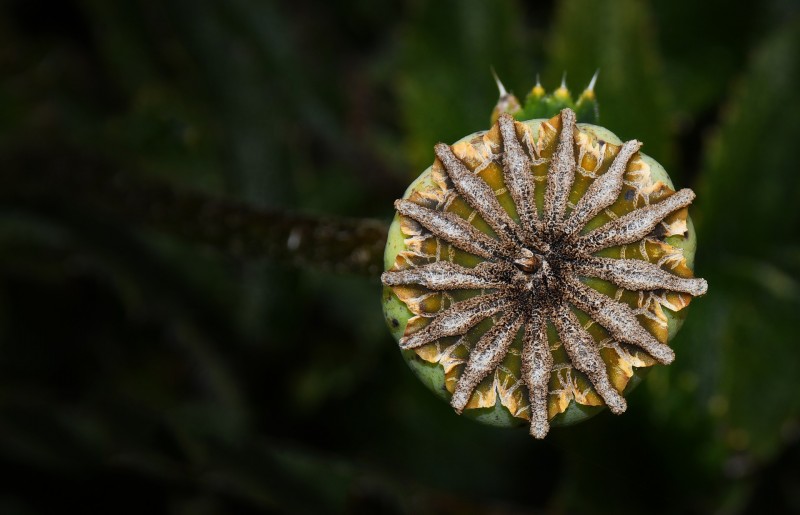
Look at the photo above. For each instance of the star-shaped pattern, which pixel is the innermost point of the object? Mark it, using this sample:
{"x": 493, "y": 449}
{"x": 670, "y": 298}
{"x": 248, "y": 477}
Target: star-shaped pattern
{"x": 530, "y": 261}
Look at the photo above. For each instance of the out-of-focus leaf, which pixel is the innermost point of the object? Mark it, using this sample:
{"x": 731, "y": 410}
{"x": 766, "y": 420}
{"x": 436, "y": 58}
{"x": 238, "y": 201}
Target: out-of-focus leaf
{"x": 617, "y": 38}
{"x": 701, "y": 58}
{"x": 445, "y": 86}
{"x": 742, "y": 337}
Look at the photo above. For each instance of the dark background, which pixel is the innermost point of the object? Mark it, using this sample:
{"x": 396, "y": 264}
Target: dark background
{"x": 143, "y": 371}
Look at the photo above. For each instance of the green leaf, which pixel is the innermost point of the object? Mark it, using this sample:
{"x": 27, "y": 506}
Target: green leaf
{"x": 743, "y": 336}
{"x": 617, "y": 38}
{"x": 701, "y": 57}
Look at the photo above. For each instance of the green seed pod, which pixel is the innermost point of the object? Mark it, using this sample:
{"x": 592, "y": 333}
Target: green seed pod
{"x": 536, "y": 269}
{"x": 540, "y": 104}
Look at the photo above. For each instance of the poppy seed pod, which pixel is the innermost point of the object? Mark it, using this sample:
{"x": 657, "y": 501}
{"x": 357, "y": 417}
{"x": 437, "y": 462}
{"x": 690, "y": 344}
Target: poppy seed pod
{"x": 536, "y": 269}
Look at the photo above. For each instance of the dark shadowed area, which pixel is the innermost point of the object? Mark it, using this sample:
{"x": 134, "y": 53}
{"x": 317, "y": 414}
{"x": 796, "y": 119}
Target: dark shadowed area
{"x": 193, "y": 203}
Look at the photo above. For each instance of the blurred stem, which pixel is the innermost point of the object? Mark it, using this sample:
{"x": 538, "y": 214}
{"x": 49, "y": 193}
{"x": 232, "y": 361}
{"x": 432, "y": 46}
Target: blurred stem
{"x": 59, "y": 184}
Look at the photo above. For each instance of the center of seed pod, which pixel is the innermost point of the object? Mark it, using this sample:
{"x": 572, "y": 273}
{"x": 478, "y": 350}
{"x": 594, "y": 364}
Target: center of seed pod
{"x": 528, "y": 262}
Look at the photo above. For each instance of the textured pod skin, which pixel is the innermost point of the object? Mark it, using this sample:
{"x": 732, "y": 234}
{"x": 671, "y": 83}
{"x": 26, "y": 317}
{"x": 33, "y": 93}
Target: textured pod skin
{"x": 502, "y": 396}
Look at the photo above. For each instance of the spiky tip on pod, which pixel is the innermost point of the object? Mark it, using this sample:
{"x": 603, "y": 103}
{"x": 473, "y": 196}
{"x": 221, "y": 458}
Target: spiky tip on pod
{"x": 540, "y": 104}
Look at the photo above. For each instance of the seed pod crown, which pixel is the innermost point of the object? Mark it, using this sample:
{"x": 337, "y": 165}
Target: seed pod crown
{"x": 541, "y": 264}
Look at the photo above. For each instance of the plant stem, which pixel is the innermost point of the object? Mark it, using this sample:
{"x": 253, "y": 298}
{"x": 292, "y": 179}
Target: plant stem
{"x": 58, "y": 185}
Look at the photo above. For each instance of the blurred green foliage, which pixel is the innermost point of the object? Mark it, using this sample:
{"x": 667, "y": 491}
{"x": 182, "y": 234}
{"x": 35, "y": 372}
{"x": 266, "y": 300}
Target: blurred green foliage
{"x": 142, "y": 373}
{"x": 631, "y": 86}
